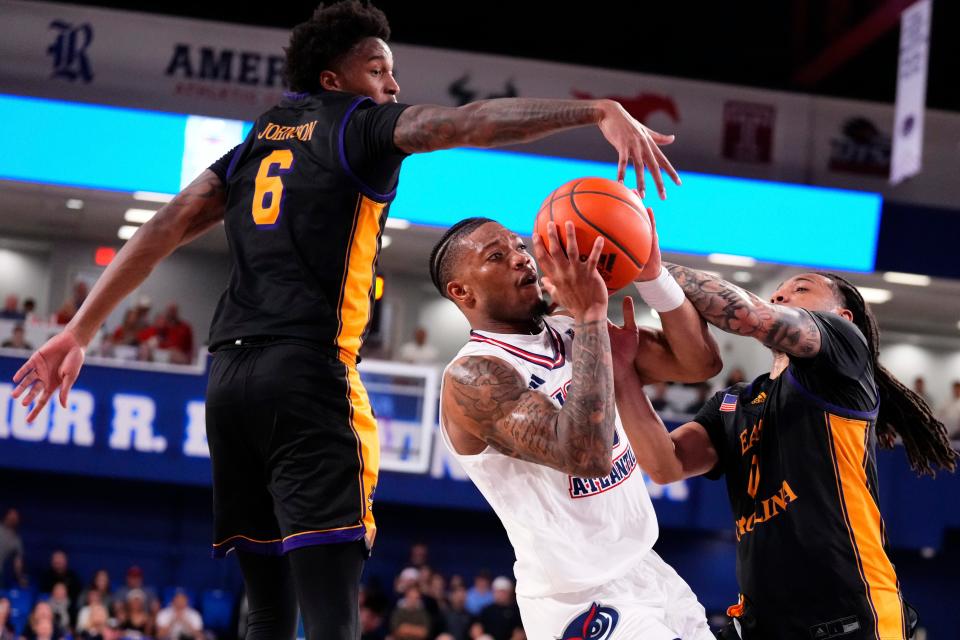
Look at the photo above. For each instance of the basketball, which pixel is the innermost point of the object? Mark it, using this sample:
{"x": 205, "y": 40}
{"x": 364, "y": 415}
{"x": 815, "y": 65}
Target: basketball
{"x": 601, "y": 207}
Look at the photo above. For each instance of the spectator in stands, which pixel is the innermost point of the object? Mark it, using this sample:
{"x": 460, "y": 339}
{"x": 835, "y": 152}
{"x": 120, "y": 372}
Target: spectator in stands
{"x": 143, "y": 307}
{"x": 139, "y": 619}
{"x": 410, "y": 621}
{"x": 479, "y": 595}
{"x": 60, "y": 571}
{"x": 106, "y": 347}
{"x": 920, "y": 388}
{"x": 373, "y": 612}
{"x": 7, "y": 631}
{"x": 100, "y": 585}
{"x": 72, "y": 304}
{"x": 128, "y": 332}
{"x": 134, "y": 580}
{"x": 419, "y": 555}
{"x": 29, "y": 309}
{"x": 88, "y": 600}
{"x": 18, "y": 578}
{"x": 41, "y": 624}
{"x": 11, "y": 545}
{"x": 179, "y": 621}
{"x": 456, "y": 617}
{"x": 407, "y": 578}
{"x": 418, "y": 351}
{"x": 501, "y": 618}
{"x": 119, "y": 613}
{"x": 17, "y": 340}
{"x": 703, "y": 393}
{"x": 735, "y": 376}
{"x": 11, "y": 308}
{"x": 60, "y": 604}
{"x": 949, "y": 413}
{"x": 179, "y": 339}
{"x": 98, "y": 625}
{"x": 431, "y": 604}
{"x": 659, "y": 400}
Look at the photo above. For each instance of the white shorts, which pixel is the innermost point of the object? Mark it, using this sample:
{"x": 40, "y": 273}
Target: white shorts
{"x": 649, "y": 602}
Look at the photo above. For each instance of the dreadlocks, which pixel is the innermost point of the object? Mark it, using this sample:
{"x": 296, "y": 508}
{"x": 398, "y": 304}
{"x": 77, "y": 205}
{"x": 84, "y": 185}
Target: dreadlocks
{"x": 902, "y": 412}
{"x": 445, "y": 253}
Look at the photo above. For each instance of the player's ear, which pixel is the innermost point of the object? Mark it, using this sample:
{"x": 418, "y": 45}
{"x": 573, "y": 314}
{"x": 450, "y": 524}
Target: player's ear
{"x": 460, "y": 293}
{"x": 329, "y": 80}
{"x": 846, "y": 314}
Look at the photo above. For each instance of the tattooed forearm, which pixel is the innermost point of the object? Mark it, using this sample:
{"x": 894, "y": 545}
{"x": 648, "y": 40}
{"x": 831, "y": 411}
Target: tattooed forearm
{"x": 734, "y": 310}
{"x": 588, "y": 415}
{"x": 490, "y": 123}
{"x": 493, "y": 399}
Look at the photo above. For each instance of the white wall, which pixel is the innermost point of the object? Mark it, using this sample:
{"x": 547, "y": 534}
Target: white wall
{"x": 26, "y": 274}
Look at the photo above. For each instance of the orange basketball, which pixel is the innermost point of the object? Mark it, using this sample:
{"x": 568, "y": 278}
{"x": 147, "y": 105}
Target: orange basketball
{"x": 601, "y": 207}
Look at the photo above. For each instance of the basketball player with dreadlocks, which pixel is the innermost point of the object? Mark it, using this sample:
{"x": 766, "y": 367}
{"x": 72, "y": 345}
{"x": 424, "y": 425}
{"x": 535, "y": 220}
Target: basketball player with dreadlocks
{"x": 797, "y": 448}
{"x": 528, "y": 408}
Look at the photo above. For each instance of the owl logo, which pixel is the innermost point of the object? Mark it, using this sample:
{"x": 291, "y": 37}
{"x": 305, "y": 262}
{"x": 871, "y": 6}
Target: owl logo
{"x": 596, "y": 623}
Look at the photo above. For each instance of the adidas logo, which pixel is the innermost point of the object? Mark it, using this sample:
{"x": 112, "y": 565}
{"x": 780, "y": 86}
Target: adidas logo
{"x": 760, "y": 398}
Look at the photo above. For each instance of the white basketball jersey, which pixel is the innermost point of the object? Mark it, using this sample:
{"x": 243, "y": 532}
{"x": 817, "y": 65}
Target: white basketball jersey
{"x": 569, "y": 533}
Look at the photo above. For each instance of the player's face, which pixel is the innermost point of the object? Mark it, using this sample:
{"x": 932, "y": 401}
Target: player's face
{"x": 810, "y": 291}
{"x": 368, "y": 71}
{"x": 500, "y": 274}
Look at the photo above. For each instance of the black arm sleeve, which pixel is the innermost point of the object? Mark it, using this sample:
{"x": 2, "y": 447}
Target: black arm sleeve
{"x": 220, "y": 166}
{"x": 842, "y": 371}
{"x": 709, "y": 418}
{"x": 368, "y": 145}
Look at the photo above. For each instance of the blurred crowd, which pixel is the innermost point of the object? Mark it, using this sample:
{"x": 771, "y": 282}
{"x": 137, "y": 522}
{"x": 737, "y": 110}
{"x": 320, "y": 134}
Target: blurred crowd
{"x": 56, "y": 604}
{"x": 143, "y": 335}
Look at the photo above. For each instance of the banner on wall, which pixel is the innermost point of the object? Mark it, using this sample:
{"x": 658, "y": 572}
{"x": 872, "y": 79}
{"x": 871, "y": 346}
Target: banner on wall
{"x": 146, "y": 422}
{"x": 911, "y": 91}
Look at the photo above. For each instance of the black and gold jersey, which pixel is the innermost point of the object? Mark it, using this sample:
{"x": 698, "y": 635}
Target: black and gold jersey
{"x": 307, "y": 198}
{"x": 798, "y": 455}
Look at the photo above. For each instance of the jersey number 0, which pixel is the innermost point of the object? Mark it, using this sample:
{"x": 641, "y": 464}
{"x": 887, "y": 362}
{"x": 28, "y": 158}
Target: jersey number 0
{"x": 269, "y": 186}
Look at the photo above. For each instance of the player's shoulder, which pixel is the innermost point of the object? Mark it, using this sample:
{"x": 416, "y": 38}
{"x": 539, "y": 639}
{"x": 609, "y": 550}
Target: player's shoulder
{"x": 561, "y": 323}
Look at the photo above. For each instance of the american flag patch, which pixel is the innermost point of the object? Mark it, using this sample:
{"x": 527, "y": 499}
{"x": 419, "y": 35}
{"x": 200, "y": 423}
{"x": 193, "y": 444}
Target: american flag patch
{"x": 729, "y": 402}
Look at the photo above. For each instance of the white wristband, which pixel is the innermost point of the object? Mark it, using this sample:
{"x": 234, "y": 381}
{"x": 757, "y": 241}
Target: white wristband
{"x": 662, "y": 293}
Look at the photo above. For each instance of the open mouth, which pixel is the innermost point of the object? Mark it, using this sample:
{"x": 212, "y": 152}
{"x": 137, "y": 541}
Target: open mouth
{"x": 527, "y": 280}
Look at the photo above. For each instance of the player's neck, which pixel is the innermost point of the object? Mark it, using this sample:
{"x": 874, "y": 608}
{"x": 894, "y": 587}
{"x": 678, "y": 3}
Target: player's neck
{"x": 780, "y": 362}
{"x": 529, "y": 327}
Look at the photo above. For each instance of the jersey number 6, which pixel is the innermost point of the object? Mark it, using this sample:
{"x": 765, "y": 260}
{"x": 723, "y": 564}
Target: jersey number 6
{"x": 269, "y": 186}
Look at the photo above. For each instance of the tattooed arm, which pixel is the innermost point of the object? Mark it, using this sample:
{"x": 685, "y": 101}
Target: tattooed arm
{"x": 57, "y": 363}
{"x": 486, "y": 401}
{"x": 503, "y": 121}
{"x": 727, "y": 306}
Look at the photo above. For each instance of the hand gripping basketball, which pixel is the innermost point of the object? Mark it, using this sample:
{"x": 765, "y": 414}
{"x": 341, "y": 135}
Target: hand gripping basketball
{"x": 572, "y": 279}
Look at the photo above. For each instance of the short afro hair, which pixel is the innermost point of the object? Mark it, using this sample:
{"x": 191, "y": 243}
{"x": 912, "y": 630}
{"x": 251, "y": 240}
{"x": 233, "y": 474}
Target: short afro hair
{"x": 444, "y": 256}
{"x": 321, "y": 42}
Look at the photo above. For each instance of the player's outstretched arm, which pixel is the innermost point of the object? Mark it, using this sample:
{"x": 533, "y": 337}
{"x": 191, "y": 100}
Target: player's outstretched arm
{"x": 728, "y": 307}
{"x": 504, "y": 121}
{"x": 57, "y": 363}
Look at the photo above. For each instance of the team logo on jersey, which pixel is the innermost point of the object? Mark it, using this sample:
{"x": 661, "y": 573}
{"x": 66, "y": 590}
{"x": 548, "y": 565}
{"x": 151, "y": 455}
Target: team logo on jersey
{"x": 760, "y": 399}
{"x": 596, "y": 623}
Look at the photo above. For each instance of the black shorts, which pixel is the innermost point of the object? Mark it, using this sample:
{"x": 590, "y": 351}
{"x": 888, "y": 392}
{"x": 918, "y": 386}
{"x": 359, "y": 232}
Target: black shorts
{"x": 294, "y": 448}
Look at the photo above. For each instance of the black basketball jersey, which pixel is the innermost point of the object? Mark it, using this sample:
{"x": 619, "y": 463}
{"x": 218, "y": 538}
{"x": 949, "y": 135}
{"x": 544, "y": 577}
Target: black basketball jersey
{"x": 798, "y": 454}
{"x": 307, "y": 197}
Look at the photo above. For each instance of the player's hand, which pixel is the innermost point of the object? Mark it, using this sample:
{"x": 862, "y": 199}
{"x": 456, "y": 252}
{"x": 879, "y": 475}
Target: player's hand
{"x": 53, "y": 366}
{"x": 651, "y": 270}
{"x": 572, "y": 279}
{"x": 638, "y": 144}
{"x": 625, "y": 339}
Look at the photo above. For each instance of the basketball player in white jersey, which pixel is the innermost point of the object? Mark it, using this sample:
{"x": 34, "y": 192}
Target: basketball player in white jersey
{"x": 528, "y": 409}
